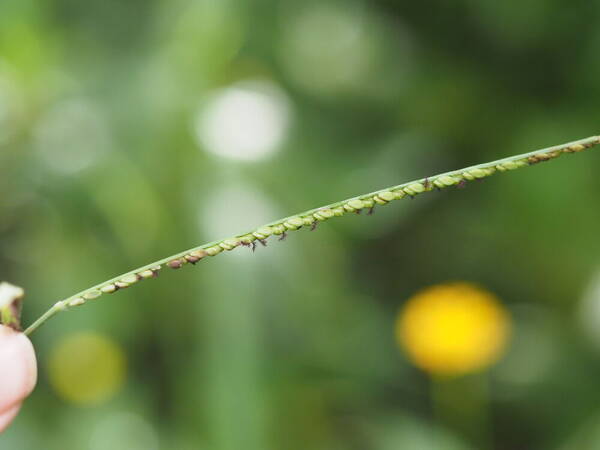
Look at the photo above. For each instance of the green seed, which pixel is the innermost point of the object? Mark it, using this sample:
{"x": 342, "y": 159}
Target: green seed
{"x": 356, "y": 204}
{"x": 510, "y": 165}
{"x": 248, "y": 239}
{"x": 399, "y": 194}
{"x": 338, "y": 211}
{"x": 150, "y": 273}
{"x": 130, "y": 279}
{"x": 294, "y": 223}
{"x": 92, "y": 295}
{"x": 478, "y": 173}
{"x": 77, "y": 301}
{"x": 278, "y": 229}
{"x": 199, "y": 254}
{"x": 386, "y": 195}
{"x": 368, "y": 202}
{"x": 214, "y": 250}
{"x": 448, "y": 180}
{"x": 229, "y": 244}
{"x": 326, "y": 213}
{"x": 109, "y": 288}
{"x": 308, "y": 220}
{"x": 417, "y": 187}
{"x": 263, "y": 232}
{"x": 234, "y": 242}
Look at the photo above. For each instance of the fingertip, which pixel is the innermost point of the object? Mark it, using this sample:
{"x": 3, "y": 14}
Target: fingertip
{"x": 18, "y": 368}
{"x": 8, "y": 416}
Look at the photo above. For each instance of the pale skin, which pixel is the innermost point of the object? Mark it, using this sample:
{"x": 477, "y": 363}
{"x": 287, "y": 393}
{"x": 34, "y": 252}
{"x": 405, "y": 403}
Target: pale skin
{"x": 18, "y": 373}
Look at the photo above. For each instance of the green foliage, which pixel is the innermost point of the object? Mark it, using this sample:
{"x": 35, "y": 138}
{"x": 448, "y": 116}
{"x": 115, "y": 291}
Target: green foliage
{"x": 104, "y": 164}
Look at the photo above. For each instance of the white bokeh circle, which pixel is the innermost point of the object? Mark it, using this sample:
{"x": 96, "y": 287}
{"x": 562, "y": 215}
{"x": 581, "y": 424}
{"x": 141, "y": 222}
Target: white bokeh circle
{"x": 246, "y": 121}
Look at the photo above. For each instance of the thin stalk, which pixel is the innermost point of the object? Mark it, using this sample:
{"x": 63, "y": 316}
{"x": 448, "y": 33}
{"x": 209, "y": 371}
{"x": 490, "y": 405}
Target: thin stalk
{"x": 312, "y": 217}
{"x": 462, "y": 405}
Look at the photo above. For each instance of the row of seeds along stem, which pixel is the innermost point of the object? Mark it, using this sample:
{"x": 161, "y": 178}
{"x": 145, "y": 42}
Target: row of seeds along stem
{"x": 352, "y": 205}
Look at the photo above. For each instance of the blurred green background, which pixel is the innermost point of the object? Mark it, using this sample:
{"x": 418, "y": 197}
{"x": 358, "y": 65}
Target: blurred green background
{"x": 130, "y": 130}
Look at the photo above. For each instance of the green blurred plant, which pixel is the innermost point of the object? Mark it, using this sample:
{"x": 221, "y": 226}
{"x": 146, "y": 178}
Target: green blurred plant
{"x": 313, "y": 217}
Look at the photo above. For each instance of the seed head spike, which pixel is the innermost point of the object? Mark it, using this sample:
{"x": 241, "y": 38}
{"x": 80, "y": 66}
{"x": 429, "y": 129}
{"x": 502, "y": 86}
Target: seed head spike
{"x": 311, "y": 218}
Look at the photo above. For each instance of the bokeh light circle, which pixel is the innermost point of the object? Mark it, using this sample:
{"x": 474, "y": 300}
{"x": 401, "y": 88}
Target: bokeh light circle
{"x": 86, "y": 368}
{"x": 452, "y": 329}
{"x": 246, "y": 121}
{"x": 71, "y": 136}
{"x": 326, "y": 47}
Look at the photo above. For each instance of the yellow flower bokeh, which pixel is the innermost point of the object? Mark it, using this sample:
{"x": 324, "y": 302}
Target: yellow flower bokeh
{"x": 86, "y": 368}
{"x": 453, "y": 329}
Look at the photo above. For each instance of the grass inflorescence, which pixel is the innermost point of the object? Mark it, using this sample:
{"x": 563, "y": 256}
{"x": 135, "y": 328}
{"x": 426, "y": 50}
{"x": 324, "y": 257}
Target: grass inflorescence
{"x": 310, "y": 219}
